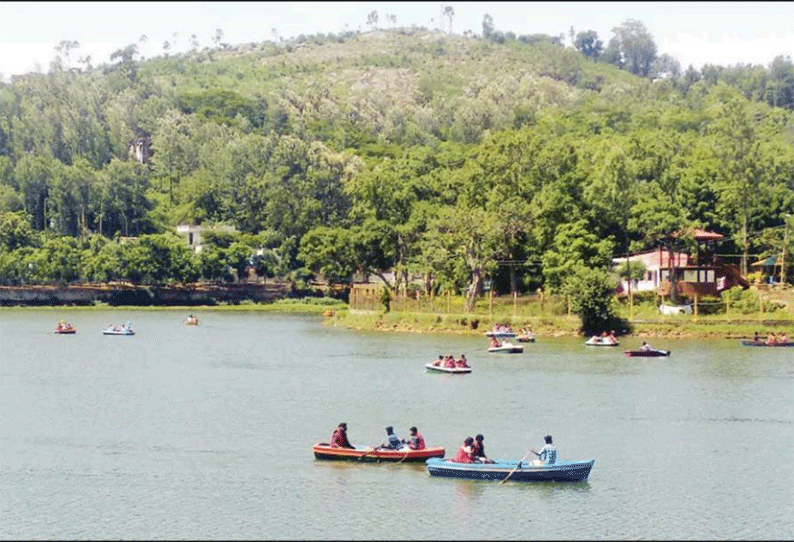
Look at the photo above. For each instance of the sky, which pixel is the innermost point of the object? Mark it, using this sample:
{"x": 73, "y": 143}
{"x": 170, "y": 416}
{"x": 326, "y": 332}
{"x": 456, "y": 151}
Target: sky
{"x": 694, "y": 33}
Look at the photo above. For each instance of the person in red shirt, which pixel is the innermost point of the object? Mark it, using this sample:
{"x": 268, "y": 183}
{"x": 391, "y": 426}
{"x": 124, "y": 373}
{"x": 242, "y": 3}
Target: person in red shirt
{"x": 417, "y": 441}
{"x": 464, "y": 452}
{"x": 339, "y": 438}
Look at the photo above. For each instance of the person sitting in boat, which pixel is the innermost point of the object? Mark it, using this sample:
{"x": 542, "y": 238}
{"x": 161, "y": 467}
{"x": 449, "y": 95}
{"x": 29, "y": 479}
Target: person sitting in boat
{"x": 464, "y": 454}
{"x": 783, "y": 338}
{"x": 462, "y": 362}
{"x": 494, "y": 343}
{"x": 478, "y": 450}
{"x": 392, "y": 442}
{"x": 771, "y": 340}
{"x": 449, "y": 362}
{"x": 645, "y": 347}
{"x": 439, "y": 362}
{"x": 339, "y": 438}
{"x": 417, "y": 441}
{"x": 756, "y": 338}
{"x": 548, "y": 454}
{"x": 611, "y": 338}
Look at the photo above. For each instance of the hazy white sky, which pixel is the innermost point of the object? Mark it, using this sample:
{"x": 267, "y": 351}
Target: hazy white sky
{"x": 696, "y": 33}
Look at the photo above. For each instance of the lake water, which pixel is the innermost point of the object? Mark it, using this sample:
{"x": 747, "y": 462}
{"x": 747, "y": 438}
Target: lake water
{"x": 205, "y": 432}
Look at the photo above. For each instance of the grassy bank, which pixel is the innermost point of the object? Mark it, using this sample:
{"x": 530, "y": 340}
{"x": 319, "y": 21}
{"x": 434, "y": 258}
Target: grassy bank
{"x": 554, "y": 325}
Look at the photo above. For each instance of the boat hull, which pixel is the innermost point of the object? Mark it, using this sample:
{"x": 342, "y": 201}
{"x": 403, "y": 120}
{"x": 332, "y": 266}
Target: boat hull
{"x": 591, "y": 342}
{"x": 563, "y": 471}
{"x": 500, "y": 334}
{"x": 507, "y": 348}
{"x": 647, "y": 353}
{"x": 65, "y": 331}
{"x": 525, "y": 339}
{"x": 359, "y": 453}
{"x": 113, "y": 332}
{"x": 450, "y": 370}
{"x": 759, "y": 343}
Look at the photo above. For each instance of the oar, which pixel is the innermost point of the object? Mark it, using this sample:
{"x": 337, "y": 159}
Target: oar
{"x": 519, "y": 464}
{"x": 405, "y": 456}
{"x": 371, "y": 449}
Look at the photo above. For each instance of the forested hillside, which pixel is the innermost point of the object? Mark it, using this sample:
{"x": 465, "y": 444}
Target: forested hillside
{"x": 459, "y": 158}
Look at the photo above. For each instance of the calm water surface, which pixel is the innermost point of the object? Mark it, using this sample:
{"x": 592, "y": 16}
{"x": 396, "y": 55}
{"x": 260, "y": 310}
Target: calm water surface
{"x": 205, "y": 432}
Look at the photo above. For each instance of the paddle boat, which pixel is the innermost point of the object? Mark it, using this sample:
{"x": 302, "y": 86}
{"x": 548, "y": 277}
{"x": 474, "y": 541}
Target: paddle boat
{"x": 323, "y": 450}
{"x": 601, "y": 341}
{"x": 764, "y": 343}
{"x": 506, "y": 348}
{"x": 526, "y": 338}
{"x": 65, "y": 328}
{"x": 191, "y": 320}
{"x": 501, "y": 334}
{"x": 652, "y": 353}
{"x": 514, "y": 471}
{"x": 451, "y": 370}
{"x": 126, "y": 329}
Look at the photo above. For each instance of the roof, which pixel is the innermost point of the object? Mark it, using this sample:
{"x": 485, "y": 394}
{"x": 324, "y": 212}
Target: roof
{"x": 657, "y": 258}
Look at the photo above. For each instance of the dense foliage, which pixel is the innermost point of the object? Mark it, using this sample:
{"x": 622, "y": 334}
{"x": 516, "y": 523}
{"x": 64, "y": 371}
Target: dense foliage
{"x": 460, "y": 159}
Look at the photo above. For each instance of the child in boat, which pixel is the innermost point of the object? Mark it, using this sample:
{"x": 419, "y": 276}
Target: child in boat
{"x": 439, "y": 362}
{"x": 494, "y": 343}
{"x": 462, "y": 361}
{"x": 771, "y": 340}
{"x": 645, "y": 347}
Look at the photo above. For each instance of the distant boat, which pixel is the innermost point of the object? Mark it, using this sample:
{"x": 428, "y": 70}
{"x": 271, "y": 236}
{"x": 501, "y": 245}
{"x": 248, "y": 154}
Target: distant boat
{"x": 452, "y": 370}
{"x": 500, "y": 334}
{"x": 600, "y": 341}
{"x": 65, "y": 328}
{"x": 515, "y": 471}
{"x": 323, "y": 450}
{"x": 192, "y": 320}
{"x": 119, "y": 330}
{"x": 652, "y": 353}
{"x": 763, "y": 343}
{"x": 506, "y": 348}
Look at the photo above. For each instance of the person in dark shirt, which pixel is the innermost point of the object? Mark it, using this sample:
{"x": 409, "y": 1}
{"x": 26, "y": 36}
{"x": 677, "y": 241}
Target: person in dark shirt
{"x": 478, "y": 450}
{"x": 339, "y": 438}
{"x": 393, "y": 443}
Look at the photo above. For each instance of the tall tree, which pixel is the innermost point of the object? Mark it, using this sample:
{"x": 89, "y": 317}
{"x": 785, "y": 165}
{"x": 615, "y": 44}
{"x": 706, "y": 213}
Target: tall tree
{"x": 636, "y": 45}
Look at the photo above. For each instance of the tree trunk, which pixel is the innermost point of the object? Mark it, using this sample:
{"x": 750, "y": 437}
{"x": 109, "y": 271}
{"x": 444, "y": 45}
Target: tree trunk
{"x": 474, "y": 289}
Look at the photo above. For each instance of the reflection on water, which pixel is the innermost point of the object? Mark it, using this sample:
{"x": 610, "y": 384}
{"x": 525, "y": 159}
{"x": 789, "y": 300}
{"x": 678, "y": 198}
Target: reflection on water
{"x": 206, "y": 432}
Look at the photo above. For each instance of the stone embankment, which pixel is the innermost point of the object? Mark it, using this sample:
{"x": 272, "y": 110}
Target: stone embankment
{"x": 124, "y": 294}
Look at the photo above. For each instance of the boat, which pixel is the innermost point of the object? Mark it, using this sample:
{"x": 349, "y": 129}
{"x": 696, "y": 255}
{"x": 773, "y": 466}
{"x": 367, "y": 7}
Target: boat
{"x": 119, "y": 330}
{"x": 65, "y": 329}
{"x": 451, "y": 370}
{"x": 192, "y": 320}
{"x": 323, "y": 450}
{"x": 500, "y": 334}
{"x": 763, "y": 343}
{"x": 507, "y": 348}
{"x": 526, "y": 338}
{"x": 652, "y": 353}
{"x": 514, "y": 471}
{"x": 600, "y": 341}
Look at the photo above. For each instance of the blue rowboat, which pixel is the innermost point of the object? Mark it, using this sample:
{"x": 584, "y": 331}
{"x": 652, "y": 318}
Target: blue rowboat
{"x": 561, "y": 471}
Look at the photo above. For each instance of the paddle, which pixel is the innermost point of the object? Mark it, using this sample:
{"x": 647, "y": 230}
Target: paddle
{"x": 369, "y": 450}
{"x": 519, "y": 464}
{"x": 405, "y": 456}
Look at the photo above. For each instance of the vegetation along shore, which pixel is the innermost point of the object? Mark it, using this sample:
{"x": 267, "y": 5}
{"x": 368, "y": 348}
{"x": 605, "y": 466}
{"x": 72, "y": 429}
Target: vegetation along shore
{"x": 436, "y": 182}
